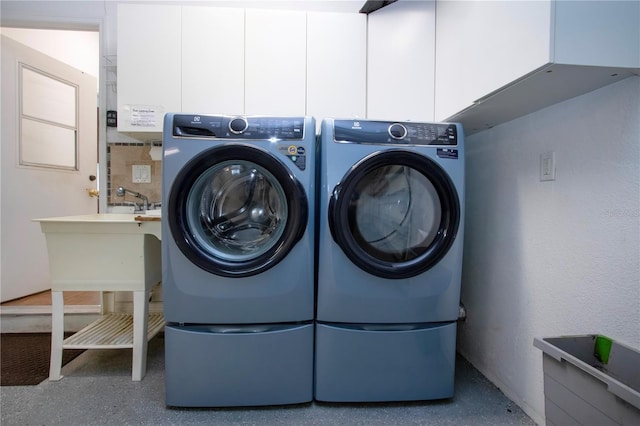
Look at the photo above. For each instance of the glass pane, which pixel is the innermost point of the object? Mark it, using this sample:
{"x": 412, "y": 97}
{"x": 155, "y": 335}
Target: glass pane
{"x": 46, "y": 144}
{"x": 48, "y": 99}
{"x": 395, "y": 213}
{"x": 237, "y": 210}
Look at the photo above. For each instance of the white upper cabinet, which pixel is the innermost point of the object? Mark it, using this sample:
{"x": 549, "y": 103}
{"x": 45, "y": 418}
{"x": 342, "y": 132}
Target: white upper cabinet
{"x": 400, "y": 70}
{"x": 149, "y": 68}
{"x": 275, "y": 67}
{"x": 336, "y": 65}
{"x": 601, "y": 33}
{"x": 496, "y": 61}
{"x": 213, "y": 60}
{"x": 483, "y": 45}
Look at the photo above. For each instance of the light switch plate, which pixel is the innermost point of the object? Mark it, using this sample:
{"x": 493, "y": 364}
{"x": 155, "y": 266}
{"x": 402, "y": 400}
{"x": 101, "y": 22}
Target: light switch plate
{"x": 141, "y": 173}
{"x": 548, "y": 166}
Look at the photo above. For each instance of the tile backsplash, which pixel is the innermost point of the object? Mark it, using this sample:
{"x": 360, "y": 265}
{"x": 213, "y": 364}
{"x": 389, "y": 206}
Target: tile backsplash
{"x": 120, "y": 159}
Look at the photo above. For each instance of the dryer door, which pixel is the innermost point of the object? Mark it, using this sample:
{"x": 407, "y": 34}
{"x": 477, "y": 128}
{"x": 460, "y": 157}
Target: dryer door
{"x": 395, "y": 214}
{"x": 236, "y": 210}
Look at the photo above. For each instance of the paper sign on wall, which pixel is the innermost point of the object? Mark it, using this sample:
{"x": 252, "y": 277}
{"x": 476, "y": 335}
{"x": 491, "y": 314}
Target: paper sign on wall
{"x": 143, "y": 116}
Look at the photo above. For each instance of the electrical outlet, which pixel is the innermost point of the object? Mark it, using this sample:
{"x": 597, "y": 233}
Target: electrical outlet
{"x": 548, "y": 166}
{"x": 141, "y": 173}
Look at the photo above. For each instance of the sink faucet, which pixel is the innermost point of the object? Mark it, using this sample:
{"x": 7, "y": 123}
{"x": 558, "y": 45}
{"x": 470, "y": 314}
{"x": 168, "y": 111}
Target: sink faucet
{"x": 121, "y": 192}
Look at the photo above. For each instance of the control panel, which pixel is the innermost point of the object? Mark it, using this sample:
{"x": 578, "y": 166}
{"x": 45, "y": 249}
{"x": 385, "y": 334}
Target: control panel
{"x": 394, "y": 133}
{"x": 238, "y": 127}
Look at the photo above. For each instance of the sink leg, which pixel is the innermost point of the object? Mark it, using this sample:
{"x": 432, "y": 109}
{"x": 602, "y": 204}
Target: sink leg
{"x": 57, "y": 335}
{"x": 140, "y": 329}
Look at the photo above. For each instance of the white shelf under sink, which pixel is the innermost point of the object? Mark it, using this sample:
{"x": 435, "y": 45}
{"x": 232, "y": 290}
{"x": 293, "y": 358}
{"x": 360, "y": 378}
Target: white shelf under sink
{"x": 112, "y": 331}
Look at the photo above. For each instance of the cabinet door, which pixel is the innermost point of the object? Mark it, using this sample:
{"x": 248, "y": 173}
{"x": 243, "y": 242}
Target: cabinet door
{"x": 212, "y": 60}
{"x": 336, "y": 65}
{"x": 149, "y": 82}
{"x": 600, "y": 33}
{"x": 482, "y": 46}
{"x": 400, "y": 64}
{"x": 275, "y": 52}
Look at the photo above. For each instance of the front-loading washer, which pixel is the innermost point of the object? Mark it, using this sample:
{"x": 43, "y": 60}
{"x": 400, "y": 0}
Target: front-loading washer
{"x": 238, "y": 259}
{"x": 391, "y": 215}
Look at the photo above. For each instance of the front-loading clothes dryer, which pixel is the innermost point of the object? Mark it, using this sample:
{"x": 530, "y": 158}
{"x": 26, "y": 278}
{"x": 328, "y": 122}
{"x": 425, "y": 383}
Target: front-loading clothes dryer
{"x": 391, "y": 214}
{"x": 238, "y": 259}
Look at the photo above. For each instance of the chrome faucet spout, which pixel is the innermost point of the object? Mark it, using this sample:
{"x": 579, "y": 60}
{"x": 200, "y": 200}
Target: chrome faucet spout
{"x": 121, "y": 192}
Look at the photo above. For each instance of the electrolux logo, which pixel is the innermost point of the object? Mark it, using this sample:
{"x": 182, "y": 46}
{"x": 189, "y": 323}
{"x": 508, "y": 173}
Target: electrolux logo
{"x": 356, "y": 125}
{"x": 196, "y": 119}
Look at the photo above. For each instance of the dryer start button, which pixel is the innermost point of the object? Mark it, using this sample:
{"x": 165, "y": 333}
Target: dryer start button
{"x": 397, "y": 131}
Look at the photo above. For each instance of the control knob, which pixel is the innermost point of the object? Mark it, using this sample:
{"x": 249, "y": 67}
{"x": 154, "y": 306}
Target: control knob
{"x": 238, "y": 125}
{"x": 397, "y": 131}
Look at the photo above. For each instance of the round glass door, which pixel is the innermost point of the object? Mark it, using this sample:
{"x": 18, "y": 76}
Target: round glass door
{"x": 395, "y": 214}
{"x": 236, "y": 211}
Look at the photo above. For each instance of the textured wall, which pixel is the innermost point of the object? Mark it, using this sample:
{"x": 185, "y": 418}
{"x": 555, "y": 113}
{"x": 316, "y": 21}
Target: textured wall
{"x": 552, "y": 258}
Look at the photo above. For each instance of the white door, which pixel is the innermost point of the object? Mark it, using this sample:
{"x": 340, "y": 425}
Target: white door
{"x": 48, "y": 159}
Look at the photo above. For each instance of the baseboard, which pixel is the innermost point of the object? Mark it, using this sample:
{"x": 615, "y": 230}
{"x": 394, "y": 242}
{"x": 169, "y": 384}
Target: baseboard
{"x": 37, "y": 319}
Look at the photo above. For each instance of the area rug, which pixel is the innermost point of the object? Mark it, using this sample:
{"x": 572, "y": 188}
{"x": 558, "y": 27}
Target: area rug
{"x": 24, "y": 358}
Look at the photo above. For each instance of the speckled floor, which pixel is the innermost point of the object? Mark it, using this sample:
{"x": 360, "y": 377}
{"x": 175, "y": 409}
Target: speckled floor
{"x": 97, "y": 390}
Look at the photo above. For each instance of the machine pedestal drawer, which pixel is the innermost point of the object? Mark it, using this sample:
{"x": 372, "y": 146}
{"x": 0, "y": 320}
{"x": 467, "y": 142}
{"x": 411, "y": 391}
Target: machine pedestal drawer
{"x": 359, "y": 363}
{"x": 224, "y": 366}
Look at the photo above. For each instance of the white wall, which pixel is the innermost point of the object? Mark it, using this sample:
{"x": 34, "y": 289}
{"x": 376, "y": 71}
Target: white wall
{"x": 552, "y": 258}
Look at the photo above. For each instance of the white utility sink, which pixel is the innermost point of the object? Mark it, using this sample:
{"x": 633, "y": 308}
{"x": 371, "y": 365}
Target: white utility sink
{"x": 104, "y": 252}
{"x": 112, "y": 249}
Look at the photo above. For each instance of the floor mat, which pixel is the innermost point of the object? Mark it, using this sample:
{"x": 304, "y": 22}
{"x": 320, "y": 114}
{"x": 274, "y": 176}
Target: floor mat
{"x": 24, "y": 358}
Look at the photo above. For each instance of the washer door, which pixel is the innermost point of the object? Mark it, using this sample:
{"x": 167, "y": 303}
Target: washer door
{"x": 236, "y": 210}
{"x": 395, "y": 214}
